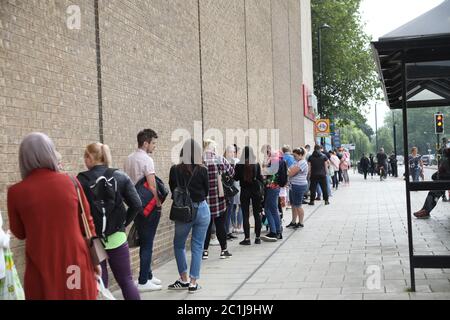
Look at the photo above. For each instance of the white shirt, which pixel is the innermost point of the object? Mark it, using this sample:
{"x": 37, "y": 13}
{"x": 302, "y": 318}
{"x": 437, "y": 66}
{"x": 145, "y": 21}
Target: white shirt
{"x": 138, "y": 165}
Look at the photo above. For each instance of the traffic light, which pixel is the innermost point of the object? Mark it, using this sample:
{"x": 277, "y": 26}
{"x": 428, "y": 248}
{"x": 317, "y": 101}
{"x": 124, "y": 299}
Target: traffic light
{"x": 439, "y": 123}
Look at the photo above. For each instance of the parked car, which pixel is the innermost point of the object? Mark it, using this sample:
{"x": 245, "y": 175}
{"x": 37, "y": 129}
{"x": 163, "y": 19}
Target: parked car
{"x": 428, "y": 159}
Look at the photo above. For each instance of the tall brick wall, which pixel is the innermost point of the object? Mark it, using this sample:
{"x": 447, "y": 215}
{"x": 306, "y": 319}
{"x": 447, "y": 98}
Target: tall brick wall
{"x": 282, "y": 70}
{"x": 250, "y": 55}
{"x": 259, "y": 61}
{"x": 151, "y": 78}
{"x": 223, "y": 64}
{"x": 48, "y": 83}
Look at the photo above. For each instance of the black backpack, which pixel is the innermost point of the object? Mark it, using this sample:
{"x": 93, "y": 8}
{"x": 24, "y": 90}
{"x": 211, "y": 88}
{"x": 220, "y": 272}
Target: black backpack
{"x": 282, "y": 175}
{"x": 182, "y": 209}
{"x": 107, "y": 208}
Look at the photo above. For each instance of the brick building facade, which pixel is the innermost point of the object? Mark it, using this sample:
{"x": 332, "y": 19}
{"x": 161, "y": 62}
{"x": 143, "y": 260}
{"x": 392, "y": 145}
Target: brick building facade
{"x": 161, "y": 64}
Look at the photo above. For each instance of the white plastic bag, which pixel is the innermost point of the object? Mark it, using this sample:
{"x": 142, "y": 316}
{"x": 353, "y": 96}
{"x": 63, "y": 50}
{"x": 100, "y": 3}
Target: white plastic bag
{"x": 10, "y": 286}
{"x": 103, "y": 293}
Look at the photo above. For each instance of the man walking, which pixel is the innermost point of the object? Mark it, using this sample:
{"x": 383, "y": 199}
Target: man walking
{"x": 138, "y": 165}
{"x": 365, "y": 163}
{"x": 393, "y": 162}
{"x": 318, "y": 167}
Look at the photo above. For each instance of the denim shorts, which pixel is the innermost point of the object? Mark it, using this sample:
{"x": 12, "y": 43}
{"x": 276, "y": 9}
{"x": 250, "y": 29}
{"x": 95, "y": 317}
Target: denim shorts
{"x": 296, "y": 194}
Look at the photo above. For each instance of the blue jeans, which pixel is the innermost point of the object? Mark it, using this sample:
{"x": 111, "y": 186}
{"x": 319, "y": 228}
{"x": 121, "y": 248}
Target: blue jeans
{"x": 271, "y": 209}
{"x": 233, "y": 218}
{"x": 228, "y": 214}
{"x": 146, "y": 228}
{"x": 199, "y": 229}
{"x": 296, "y": 195}
{"x": 329, "y": 185}
{"x": 236, "y": 215}
{"x": 415, "y": 173}
{"x": 319, "y": 191}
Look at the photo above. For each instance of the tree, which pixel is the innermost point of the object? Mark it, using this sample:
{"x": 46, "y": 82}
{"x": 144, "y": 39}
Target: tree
{"x": 352, "y": 134}
{"x": 421, "y": 132}
{"x": 349, "y": 78}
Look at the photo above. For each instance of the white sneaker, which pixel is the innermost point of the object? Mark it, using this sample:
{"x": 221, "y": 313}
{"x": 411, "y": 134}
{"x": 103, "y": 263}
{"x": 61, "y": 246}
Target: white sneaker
{"x": 214, "y": 242}
{"x": 149, "y": 286}
{"x": 156, "y": 281}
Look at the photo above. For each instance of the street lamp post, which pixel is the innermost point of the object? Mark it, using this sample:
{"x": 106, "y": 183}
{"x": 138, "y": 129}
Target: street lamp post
{"x": 319, "y": 38}
{"x": 376, "y": 127}
{"x": 395, "y": 133}
{"x": 319, "y": 47}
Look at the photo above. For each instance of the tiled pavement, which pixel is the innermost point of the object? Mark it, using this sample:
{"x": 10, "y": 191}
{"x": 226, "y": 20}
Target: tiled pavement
{"x": 333, "y": 257}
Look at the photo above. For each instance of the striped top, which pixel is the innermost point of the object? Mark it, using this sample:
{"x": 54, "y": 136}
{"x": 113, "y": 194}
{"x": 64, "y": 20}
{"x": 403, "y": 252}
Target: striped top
{"x": 301, "y": 178}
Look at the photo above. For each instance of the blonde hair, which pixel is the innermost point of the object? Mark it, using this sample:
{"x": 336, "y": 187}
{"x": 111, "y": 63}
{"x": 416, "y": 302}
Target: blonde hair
{"x": 209, "y": 145}
{"x": 99, "y": 153}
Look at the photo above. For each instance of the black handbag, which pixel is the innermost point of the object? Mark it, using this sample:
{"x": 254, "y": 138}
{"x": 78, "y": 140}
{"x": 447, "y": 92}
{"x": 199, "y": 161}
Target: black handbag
{"x": 229, "y": 189}
{"x": 133, "y": 237}
{"x": 259, "y": 185}
{"x": 182, "y": 209}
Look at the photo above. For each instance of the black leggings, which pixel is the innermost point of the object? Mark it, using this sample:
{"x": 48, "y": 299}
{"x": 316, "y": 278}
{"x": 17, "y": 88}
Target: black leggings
{"x": 322, "y": 180}
{"x": 247, "y": 195}
{"x": 336, "y": 179}
{"x": 219, "y": 221}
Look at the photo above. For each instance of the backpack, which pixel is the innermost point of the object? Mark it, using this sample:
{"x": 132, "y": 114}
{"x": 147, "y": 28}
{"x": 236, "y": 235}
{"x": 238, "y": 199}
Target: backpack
{"x": 282, "y": 175}
{"x": 182, "y": 209}
{"x": 106, "y": 203}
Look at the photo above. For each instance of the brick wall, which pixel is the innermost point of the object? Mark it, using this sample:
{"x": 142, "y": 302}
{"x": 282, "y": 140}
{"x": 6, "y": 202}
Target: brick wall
{"x": 246, "y": 59}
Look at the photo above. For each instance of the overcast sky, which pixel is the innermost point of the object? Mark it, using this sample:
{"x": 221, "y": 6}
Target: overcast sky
{"x": 381, "y": 17}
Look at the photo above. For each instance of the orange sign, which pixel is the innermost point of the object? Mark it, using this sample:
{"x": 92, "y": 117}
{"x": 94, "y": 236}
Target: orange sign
{"x": 323, "y": 128}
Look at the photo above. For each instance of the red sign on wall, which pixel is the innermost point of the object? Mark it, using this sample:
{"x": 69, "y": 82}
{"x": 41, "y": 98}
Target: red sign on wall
{"x": 308, "y": 107}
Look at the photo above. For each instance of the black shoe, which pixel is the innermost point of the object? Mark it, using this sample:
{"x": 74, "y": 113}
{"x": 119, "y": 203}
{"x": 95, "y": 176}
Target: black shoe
{"x": 279, "y": 236}
{"x": 257, "y": 241}
{"x": 305, "y": 202}
{"x": 225, "y": 254}
{"x": 327, "y": 202}
{"x": 310, "y": 203}
{"x": 318, "y": 199}
{"x": 298, "y": 225}
{"x": 245, "y": 242}
{"x": 290, "y": 225}
{"x": 231, "y": 236}
{"x": 178, "y": 285}
{"x": 270, "y": 237}
{"x": 193, "y": 289}
{"x": 205, "y": 255}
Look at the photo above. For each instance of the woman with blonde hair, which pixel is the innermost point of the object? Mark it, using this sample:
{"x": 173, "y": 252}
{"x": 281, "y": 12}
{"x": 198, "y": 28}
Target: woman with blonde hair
{"x": 112, "y": 218}
{"x": 216, "y": 166}
{"x": 43, "y": 210}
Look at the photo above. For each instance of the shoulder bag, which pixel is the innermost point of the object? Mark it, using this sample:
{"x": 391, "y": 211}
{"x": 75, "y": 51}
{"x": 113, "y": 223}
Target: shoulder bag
{"x": 95, "y": 246}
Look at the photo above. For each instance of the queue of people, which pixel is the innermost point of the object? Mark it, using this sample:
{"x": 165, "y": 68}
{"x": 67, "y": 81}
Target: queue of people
{"x": 102, "y": 201}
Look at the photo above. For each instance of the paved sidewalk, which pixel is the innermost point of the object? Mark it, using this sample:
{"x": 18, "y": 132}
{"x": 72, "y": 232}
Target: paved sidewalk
{"x": 338, "y": 254}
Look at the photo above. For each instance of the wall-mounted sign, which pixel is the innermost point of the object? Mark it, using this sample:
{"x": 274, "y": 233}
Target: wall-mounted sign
{"x": 323, "y": 128}
{"x": 309, "y": 103}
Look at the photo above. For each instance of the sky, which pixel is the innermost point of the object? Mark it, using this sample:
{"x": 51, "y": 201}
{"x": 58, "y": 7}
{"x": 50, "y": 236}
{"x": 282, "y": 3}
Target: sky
{"x": 381, "y": 17}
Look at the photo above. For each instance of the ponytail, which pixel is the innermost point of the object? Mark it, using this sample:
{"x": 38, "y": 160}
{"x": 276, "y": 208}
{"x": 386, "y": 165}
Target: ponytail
{"x": 99, "y": 153}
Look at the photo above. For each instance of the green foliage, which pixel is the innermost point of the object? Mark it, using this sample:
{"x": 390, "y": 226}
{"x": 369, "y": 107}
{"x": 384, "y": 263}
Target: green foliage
{"x": 420, "y": 128}
{"x": 349, "y": 75}
{"x": 352, "y": 134}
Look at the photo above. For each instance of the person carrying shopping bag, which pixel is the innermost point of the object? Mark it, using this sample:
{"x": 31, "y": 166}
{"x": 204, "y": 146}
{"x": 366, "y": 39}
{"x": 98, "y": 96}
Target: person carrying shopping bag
{"x": 44, "y": 209}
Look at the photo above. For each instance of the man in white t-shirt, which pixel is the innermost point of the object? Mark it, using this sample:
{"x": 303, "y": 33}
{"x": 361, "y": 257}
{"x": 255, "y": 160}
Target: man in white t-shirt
{"x": 138, "y": 165}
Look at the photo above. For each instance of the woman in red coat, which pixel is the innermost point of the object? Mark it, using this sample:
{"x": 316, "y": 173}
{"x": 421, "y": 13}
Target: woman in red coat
{"x": 43, "y": 209}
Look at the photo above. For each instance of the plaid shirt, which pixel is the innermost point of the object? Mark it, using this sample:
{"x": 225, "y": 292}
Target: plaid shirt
{"x": 216, "y": 164}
